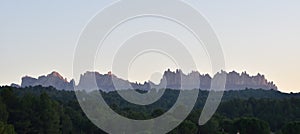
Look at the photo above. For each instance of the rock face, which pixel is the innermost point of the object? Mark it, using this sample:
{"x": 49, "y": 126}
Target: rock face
{"x": 95, "y": 80}
{"x": 54, "y": 79}
{"x": 234, "y": 81}
{"x": 15, "y": 85}
{"x": 108, "y": 82}
{"x": 173, "y": 80}
{"x": 178, "y": 80}
{"x": 237, "y": 81}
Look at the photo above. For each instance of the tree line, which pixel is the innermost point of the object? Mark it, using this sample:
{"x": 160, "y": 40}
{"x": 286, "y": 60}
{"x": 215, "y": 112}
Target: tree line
{"x": 47, "y": 110}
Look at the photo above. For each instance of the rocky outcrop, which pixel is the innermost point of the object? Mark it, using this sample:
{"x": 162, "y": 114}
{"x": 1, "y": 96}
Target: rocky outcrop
{"x": 177, "y": 80}
{"x": 236, "y": 81}
{"x": 15, "y": 85}
{"x": 171, "y": 79}
{"x": 54, "y": 79}
{"x": 108, "y": 82}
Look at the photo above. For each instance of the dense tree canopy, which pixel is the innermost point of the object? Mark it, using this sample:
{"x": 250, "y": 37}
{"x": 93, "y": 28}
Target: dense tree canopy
{"x": 47, "y": 110}
{"x": 291, "y": 128}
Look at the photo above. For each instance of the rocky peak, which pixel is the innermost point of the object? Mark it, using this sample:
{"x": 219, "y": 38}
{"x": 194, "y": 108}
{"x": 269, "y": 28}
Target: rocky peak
{"x": 171, "y": 79}
{"x": 55, "y": 74}
{"x": 236, "y": 81}
{"x": 53, "y": 79}
{"x": 15, "y": 85}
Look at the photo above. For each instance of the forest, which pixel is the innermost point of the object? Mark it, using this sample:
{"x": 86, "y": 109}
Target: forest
{"x": 45, "y": 110}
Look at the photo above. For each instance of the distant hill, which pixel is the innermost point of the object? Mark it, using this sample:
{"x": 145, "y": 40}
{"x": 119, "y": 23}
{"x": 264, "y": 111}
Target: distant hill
{"x": 171, "y": 79}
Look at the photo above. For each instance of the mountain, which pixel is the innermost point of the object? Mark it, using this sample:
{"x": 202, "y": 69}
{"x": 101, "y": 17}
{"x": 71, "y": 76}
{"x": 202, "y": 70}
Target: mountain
{"x": 173, "y": 80}
{"x": 234, "y": 80}
{"x": 237, "y": 81}
{"x": 54, "y": 79}
{"x": 109, "y": 82}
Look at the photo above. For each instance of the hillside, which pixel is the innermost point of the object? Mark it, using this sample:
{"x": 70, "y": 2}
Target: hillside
{"x": 23, "y": 110}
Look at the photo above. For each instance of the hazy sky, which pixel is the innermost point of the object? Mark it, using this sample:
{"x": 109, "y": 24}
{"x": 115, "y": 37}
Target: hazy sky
{"x": 37, "y": 37}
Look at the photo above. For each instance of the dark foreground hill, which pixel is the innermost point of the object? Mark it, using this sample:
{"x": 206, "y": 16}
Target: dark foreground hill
{"x": 47, "y": 110}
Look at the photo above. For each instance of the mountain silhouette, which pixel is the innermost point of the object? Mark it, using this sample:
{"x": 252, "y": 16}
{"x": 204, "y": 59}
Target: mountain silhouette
{"x": 171, "y": 79}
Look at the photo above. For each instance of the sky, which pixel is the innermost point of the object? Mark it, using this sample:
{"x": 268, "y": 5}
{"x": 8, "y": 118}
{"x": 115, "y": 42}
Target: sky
{"x": 38, "y": 37}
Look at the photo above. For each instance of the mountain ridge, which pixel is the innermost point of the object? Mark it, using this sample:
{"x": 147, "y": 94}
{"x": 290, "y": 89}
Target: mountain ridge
{"x": 171, "y": 79}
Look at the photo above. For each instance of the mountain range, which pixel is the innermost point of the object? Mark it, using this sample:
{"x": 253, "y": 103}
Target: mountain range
{"x": 171, "y": 79}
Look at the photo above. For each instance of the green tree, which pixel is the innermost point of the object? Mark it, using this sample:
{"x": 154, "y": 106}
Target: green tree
{"x": 3, "y": 112}
{"x": 211, "y": 127}
{"x": 291, "y": 128}
{"x": 251, "y": 126}
{"x": 27, "y": 120}
{"x": 65, "y": 122}
{"x": 9, "y": 98}
{"x": 6, "y": 129}
{"x": 157, "y": 112}
{"x": 188, "y": 127}
{"x": 49, "y": 115}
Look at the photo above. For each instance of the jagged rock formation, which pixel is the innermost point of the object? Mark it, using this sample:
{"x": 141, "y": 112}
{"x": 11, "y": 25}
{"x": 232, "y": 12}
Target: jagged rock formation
{"x": 172, "y": 80}
{"x": 15, "y": 85}
{"x": 237, "y": 81}
{"x": 54, "y": 79}
{"x": 108, "y": 82}
{"x": 234, "y": 81}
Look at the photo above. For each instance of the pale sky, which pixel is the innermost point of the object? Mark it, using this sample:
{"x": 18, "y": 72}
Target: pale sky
{"x": 37, "y": 37}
